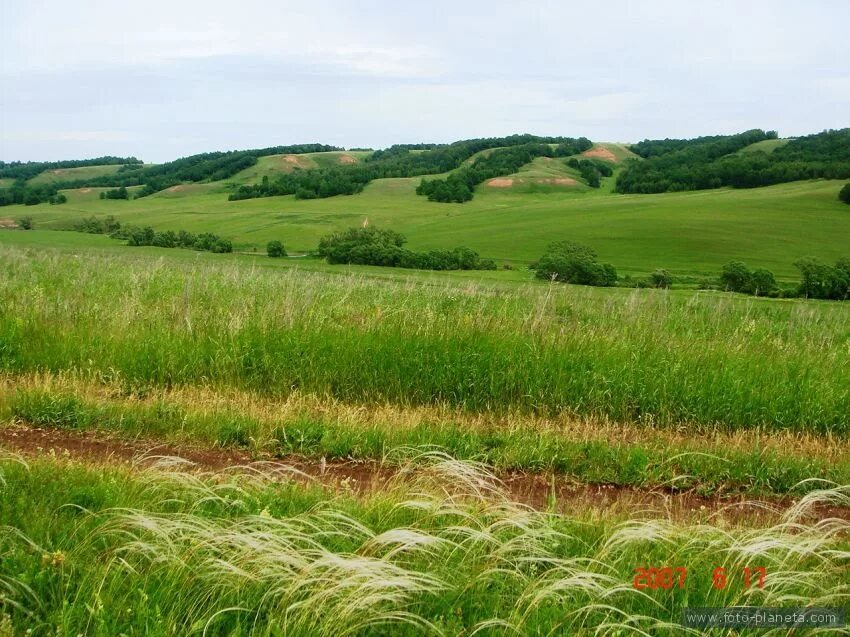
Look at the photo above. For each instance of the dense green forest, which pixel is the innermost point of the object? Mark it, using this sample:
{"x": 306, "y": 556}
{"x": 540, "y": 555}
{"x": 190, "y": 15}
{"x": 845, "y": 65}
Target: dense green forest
{"x": 672, "y": 165}
{"x": 404, "y": 160}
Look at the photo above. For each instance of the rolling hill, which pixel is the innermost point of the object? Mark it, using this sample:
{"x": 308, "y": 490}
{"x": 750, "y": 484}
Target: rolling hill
{"x": 512, "y": 217}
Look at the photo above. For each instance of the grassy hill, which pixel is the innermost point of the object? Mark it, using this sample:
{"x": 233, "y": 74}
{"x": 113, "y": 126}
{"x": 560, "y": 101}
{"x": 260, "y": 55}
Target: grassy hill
{"x": 273, "y": 165}
{"x": 58, "y": 175}
{"x": 692, "y": 233}
{"x": 765, "y": 146}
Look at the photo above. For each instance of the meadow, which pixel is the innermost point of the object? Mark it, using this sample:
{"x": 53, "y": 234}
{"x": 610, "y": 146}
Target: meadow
{"x": 446, "y": 386}
{"x": 691, "y": 234}
{"x": 627, "y": 355}
{"x": 230, "y": 444}
{"x": 443, "y": 552}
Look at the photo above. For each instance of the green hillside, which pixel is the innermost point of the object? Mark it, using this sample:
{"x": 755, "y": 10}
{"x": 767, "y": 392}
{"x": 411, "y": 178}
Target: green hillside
{"x": 273, "y": 165}
{"x": 59, "y": 175}
{"x": 690, "y": 233}
{"x": 764, "y": 146}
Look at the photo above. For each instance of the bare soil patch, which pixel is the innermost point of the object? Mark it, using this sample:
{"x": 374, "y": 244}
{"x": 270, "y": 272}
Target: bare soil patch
{"x": 536, "y": 490}
{"x": 600, "y": 152}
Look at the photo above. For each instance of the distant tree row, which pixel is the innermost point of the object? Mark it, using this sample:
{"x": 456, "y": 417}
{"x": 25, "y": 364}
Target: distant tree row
{"x": 19, "y": 193}
{"x": 818, "y": 280}
{"x": 205, "y": 241}
{"x": 115, "y": 193}
{"x": 27, "y": 170}
{"x": 396, "y": 161}
{"x": 458, "y": 186}
{"x": 712, "y": 162}
{"x": 373, "y": 246}
{"x": 147, "y": 236}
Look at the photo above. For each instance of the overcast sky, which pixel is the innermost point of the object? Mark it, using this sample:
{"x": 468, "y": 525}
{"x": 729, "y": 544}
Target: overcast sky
{"x": 160, "y": 80}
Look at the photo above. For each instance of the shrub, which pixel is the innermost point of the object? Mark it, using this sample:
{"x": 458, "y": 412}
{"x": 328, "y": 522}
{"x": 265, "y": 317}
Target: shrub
{"x": 762, "y": 282}
{"x": 736, "y": 277}
{"x": 275, "y": 249}
{"x": 661, "y": 279}
{"x": 573, "y": 262}
{"x": 371, "y": 246}
{"x": 844, "y": 194}
{"x": 821, "y": 281}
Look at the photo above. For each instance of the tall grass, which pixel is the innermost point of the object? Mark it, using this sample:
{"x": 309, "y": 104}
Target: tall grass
{"x": 592, "y": 451}
{"x": 641, "y": 356}
{"x": 443, "y": 551}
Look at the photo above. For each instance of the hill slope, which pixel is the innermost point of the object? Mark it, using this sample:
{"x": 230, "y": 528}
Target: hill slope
{"x": 691, "y": 233}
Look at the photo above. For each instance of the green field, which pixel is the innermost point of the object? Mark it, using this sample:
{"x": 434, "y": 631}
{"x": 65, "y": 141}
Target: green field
{"x": 72, "y": 174}
{"x": 766, "y": 146}
{"x": 692, "y": 233}
{"x": 340, "y": 416}
{"x": 229, "y": 444}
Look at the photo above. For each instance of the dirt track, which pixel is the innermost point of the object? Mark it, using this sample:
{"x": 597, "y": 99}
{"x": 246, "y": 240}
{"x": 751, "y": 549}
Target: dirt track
{"x": 537, "y": 490}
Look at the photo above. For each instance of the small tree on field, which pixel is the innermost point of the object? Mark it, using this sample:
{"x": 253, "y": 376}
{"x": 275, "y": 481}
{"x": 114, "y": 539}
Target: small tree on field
{"x": 661, "y": 279}
{"x": 844, "y": 194}
{"x": 736, "y": 277}
{"x": 573, "y": 262}
{"x": 275, "y": 249}
{"x": 762, "y": 282}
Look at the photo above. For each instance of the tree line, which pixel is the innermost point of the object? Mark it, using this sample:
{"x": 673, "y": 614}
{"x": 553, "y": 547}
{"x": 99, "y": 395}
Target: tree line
{"x": 818, "y": 280}
{"x": 31, "y": 195}
{"x": 402, "y": 160}
{"x": 672, "y": 165}
{"x": 147, "y": 236}
{"x": 374, "y": 246}
{"x": 23, "y": 171}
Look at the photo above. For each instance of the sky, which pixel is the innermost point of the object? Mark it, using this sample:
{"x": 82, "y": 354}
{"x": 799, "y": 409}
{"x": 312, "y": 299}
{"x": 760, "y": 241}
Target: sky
{"x": 159, "y": 80}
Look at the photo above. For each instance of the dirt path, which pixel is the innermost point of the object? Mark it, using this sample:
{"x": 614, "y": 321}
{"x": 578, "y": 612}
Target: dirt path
{"x": 537, "y": 490}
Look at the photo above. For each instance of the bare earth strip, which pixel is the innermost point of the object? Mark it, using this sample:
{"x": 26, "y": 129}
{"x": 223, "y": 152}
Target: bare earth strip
{"x": 536, "y": 490}
{"x": 600, "y": 152}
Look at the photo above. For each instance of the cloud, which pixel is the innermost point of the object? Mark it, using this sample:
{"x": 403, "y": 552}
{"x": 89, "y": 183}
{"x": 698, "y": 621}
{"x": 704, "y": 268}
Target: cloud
{"x": 67, "y": 136}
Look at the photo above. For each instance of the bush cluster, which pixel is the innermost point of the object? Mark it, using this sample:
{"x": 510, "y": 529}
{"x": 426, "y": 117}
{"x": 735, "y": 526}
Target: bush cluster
{"x": 147, "y": 236}
{"x": 93, "y": 225}
{"x": 573, "y": 262}
{"x": 592, "y": 170}
{"x": 821, "y": 281}
{"x": 817, "y": 280}
{"x": 373, "y": 246}
{"x": 115, "y": 193}
{"x": 31, "y": 195}
{"x": 275, "y": 249}
{"x": 844, "y": 194}
{"x": 737, "y": 277}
